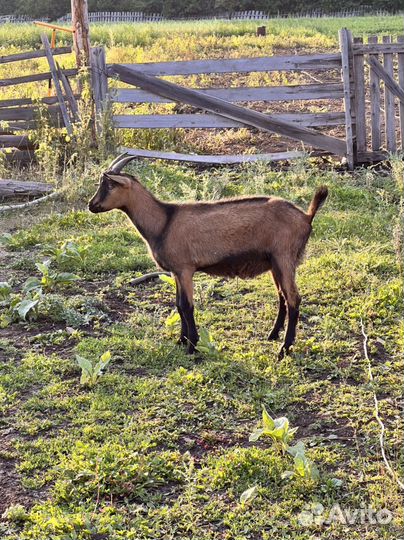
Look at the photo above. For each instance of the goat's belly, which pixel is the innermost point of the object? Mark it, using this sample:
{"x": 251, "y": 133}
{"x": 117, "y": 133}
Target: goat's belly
{"x": 243, "y": 265}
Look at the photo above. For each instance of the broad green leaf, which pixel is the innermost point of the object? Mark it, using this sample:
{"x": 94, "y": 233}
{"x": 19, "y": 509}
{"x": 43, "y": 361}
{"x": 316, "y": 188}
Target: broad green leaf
{"x": 298, "y": 448}
{"x": 256, "y": 434}
{"x": 106, "y": 357}
{"x": 173, "y": 319}
{"x": 25, "y": 307}
{"x": 168, "y": 279}
{"x": 86, "y": 369}
{"x": 32, "y": 284}
{"x": 66, "y": 277}
{"x": 249, "y": 494}
{"x": 44, "y": 267}
{"x": 5, "y": 290}
{"x": 287, "y": 474}
{"x": 267, "y": 421}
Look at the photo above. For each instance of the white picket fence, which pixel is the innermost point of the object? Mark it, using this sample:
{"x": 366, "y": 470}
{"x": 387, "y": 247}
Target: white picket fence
{"x": 138, "y": 16}
{"x": 117, "y": 17}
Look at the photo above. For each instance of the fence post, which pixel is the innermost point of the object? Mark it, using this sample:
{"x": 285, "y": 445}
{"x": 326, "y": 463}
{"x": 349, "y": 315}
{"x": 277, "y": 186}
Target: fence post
{"x": 360, "y": 99}
{"x": 375, "y": 101}
{"x": 389, "y": 106}
{"x": 99, "y": 83}
{"x": 345, "y": 43}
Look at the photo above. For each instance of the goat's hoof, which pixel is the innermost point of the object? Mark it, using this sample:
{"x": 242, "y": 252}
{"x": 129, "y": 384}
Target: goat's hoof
{"x": 273, "y": 335}
{"x": 284, "y": 351}
{"x": 182, "y": 340}
{"x": 191, "y": 349}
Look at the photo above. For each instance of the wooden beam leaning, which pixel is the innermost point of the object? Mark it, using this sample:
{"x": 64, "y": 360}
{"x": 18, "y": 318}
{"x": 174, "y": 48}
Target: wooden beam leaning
{"x": 360, "y": 105}
{"x": 228, "y": 110}
{"x": 345, "y": 42}
{"x": 56, "y": 82}
{"x": 33, "y": 54}
{"x": 387, "y": 78}
{"x": 400, "y": 39}
{"x": 69, "y": 94}
{"x": 374, "y": 80}
{"x": 389, "y": 106}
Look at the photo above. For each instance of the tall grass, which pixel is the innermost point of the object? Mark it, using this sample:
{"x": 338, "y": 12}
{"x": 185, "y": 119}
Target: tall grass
{"x": 145, "y": 34}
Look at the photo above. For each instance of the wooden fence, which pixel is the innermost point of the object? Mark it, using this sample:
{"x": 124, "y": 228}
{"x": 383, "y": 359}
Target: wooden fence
{"x": 19, "y": 115}
{"x": 356, "y": 113}
{"x": 362, "y": 95}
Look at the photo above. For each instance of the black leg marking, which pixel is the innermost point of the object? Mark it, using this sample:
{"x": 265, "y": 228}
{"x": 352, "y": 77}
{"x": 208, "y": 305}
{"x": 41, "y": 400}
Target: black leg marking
{"x": 192, "y": 333}
{"x": 184, "y": 328}
{"x": 280, "y": 319}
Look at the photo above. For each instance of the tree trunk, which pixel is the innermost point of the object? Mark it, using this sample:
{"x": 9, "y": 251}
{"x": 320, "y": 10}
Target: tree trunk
{"x": 81, "y": 36}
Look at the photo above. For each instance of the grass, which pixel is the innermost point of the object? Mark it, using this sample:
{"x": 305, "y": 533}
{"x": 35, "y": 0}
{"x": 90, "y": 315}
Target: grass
{"x": 158, "y": 447}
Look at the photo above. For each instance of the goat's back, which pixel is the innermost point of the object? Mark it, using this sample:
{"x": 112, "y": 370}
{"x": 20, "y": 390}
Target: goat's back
{"x": 204, "y": 234}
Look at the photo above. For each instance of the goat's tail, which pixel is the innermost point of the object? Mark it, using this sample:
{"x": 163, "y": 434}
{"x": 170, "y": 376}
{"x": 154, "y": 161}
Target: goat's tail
{"x": 317, "y": 202}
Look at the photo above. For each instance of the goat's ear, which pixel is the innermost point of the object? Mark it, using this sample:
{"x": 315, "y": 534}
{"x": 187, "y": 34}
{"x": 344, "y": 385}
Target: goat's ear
{"x": 118, "y": 179}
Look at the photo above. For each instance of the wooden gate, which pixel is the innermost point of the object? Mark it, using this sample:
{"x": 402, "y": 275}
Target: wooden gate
{"x": 222, "y": 106}
{"x": 374, "y": 111}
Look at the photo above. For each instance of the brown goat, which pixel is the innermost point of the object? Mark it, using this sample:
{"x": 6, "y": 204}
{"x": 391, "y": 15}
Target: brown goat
{"x": 232, "y": 237}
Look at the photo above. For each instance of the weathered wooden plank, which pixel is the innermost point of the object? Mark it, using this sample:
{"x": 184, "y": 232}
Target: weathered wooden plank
{"x": 345, "y": 42}
{"x": 206, "y": 121}
{"x": 28, "y": 101}
{"x": 389, "y": 107}
{"x": 374, "y": 48}
{"x": 99, "y": 80}
{"x": 387, "y": 78}
{"x": 400, "y": 39}
{"x": 18, "y": 188}
{"x": 56, "y": 82}
{"x": 212, "y": 160}
{"x": 69, "y": 96}
{"x": 13, "y": 114}
{"x": 228, "y": 110}
{"x": 372, "y": 157}
{"x": 34, "y": 78}
{"x": 23, "y": 156}
{"x": 32, "y": 54}
{"x": 15, "y": 141}
{"x": 360, "y": 104}
{"x": 240, "y": 65}
{"x": 374, "y": 80}
{"x": 274, "y": 93}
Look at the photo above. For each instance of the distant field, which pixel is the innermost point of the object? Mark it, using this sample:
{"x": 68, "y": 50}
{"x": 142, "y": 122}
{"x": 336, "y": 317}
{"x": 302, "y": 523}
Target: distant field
{"x": 281, "y": 32}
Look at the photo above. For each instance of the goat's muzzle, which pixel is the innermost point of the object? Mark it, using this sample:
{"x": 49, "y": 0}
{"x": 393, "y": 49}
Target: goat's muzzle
{"x": 95, "y": 208}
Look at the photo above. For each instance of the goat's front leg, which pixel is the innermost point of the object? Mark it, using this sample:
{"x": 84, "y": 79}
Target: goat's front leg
{"x": 184, "y": 327}
{"x": 186, "y": 307}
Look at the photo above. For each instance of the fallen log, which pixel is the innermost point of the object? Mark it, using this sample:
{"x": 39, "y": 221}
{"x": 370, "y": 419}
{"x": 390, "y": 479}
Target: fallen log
{"x": 14, "y": 188}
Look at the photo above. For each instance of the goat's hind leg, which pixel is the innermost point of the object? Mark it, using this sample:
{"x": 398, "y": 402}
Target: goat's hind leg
{"x": 186, "y": 307}
{"x": 184, "y": 328}
{"x": 280, "y": 319}
{"x": 292, "y": 297}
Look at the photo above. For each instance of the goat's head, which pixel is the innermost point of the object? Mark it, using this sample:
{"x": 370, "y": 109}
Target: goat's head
{"x": 113, "y": 188}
